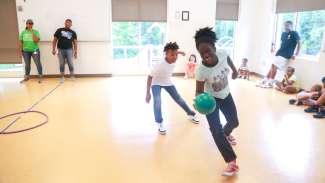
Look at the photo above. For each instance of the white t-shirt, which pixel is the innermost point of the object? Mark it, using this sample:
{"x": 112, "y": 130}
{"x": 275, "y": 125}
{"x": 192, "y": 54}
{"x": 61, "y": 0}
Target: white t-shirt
{"x": 162, "y": 73}
{"x": 215, "y": 78}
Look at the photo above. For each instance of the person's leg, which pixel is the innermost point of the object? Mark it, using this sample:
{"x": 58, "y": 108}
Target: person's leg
{"x": 178, "y": 99}
{"x": 247, "y": 74}
{"x": 219, "y": 136}
{"x": 321, "y": 100}
{"x": 269, "y": 73}
{"x": 228, "y": 108}
{"x": 290, "y": 90}
{"x": 273, "y": 72}
{"x": 61, "y": 56}
{"x": 27, "y": 59}
{"x": 69, "y": 55}
{"x": 279, "y": 86}
{"x": 156, "y": 92}
{"x": 37, "y": 60}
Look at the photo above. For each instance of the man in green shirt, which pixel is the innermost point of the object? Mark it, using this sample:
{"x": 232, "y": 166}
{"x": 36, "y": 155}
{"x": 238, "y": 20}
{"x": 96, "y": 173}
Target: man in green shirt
{"x": 29, "y": 39}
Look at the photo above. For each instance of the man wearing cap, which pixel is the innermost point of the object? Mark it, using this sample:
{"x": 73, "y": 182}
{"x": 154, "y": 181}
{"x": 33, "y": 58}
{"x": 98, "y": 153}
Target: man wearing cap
{"x": 65, "y": 40}
{"x": 29, "y": 39}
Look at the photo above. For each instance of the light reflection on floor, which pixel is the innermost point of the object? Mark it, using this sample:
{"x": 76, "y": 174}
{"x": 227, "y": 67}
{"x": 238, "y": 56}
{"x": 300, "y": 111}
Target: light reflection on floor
{"x": 288, "y": 141}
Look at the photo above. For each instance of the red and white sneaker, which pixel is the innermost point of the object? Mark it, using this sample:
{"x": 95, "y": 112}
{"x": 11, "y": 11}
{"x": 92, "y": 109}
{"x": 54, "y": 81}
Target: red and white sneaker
{"x": 231, "y": 170}
{"x": 231, "y": 139}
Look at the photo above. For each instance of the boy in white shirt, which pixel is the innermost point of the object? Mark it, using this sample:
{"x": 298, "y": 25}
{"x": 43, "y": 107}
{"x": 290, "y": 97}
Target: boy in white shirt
{"x": 160, "y": 78}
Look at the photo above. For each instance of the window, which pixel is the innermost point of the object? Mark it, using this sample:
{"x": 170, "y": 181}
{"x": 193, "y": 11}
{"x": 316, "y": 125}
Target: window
{"x": 225, "y": 31}
{"x": 11, "y": 67}
{"x": 134, "y": 40}
{"x": 311, "y": 27}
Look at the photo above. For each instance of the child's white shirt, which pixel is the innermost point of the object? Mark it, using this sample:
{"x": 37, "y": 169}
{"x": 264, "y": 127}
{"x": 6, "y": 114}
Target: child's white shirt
{"x": 161, "y": 73}
{"x": 215, "y": 78}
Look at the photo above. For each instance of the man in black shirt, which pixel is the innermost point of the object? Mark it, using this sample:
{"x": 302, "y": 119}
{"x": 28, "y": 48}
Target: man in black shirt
{"x": 65, "y": 40}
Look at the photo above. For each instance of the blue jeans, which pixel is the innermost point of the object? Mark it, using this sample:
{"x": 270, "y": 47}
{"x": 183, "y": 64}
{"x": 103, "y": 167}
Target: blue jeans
{"x": 65, "y": 55}
{"x": 219, "y": 133}
{"x": 37, "y": 60}
{"x": 156, "y": 92}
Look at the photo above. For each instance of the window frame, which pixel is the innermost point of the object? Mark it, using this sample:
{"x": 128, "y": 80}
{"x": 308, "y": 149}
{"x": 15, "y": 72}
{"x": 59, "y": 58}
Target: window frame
{"x": 277, "y": 41}
{"x": 232, "y": 56}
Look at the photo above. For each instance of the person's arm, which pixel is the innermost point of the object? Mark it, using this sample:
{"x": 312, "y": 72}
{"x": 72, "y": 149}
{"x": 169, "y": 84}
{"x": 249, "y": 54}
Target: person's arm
{"x": 290, "y": 82}
{"x": 20, "y": 47}
{"x": 54, "y": 42}
{"x": 149, "y": 82}
{"x": 199, "y": 87}
{"x": 75, "y": 48}
{"x": 181, "y": 53}
{"x": 298, "y": 48}
{"x": 36, "y": 38}
{"x": 298, "y": 45}
{"x": 320, "y": 100}
{"x": 233, "y": 68}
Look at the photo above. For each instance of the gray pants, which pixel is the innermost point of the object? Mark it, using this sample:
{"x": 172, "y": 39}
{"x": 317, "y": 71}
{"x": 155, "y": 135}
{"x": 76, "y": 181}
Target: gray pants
{"x": 37, "y": 60}
{"x": 65, "y": 55}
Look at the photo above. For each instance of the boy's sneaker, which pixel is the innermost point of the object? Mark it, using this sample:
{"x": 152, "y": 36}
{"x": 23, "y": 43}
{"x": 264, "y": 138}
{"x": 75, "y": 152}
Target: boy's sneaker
{"x": 231, "y": 139}
{"x": 194, "y": 119}
{"x": 320, "y": 114}
{"x": 61, "y": 79}
{"x": 161, "y": 129}
{"x": 292, "y": 101}
{"x": 312, "y": 109}
{"x": 299, "y": 103}
{"x": 231, "y": 170}
{"x": 268, "y": 84}
{"x": 262, "y": 83}
{"x": 40, "y": 79}
{"x": 72, "y": 78}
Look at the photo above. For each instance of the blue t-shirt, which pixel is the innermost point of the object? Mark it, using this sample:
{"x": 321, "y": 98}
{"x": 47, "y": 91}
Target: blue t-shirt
{"x": 289, "y": 41}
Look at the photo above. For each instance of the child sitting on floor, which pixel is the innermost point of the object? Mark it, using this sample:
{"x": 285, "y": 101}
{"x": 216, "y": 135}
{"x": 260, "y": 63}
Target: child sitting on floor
{"x": 317, "y": 105}
{"x": 190, "y": 67}
{"x": 303, "y": 96}
{"x": 289, "y": 83}
{"x": 243, "y": 69}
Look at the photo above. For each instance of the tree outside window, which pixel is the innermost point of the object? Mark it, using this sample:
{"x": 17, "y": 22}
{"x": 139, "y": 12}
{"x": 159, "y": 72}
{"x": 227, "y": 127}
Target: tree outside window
{"x": 310, "y": 26}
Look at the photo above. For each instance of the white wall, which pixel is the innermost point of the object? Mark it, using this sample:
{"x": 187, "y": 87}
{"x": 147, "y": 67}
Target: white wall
{"x": 202, "y": 14}
{"x": 94, "y": 56}
{"x": 254, "y": 37}
{"x": 254, "y": 33}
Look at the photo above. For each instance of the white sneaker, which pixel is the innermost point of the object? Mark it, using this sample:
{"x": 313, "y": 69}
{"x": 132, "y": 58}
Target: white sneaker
{"x": 62, "y": 80}
{"x": 194, "y": 119}
{"x": 72, "y": 78}
{"x": 262, "y": 83}
{"x": 161, "y": 128}
{"x": 269, "y": 84}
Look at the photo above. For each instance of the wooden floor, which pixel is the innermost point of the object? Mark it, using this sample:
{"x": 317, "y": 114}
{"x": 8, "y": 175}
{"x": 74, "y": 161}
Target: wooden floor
{"x": 101, "y": 130}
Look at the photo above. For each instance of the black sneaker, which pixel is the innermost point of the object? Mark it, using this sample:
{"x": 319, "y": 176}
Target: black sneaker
{"x": 320, "y": 114}
{"x": 292, "y": 101}
{"x": 299, "y": 103}
{"x": 312, "y": 109}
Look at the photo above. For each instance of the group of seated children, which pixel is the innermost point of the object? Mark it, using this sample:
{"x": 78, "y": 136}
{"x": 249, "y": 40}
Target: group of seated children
{"x": 314, "y": 99}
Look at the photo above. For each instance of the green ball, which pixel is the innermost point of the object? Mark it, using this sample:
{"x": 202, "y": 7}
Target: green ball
{"x": 205, "y": 103}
